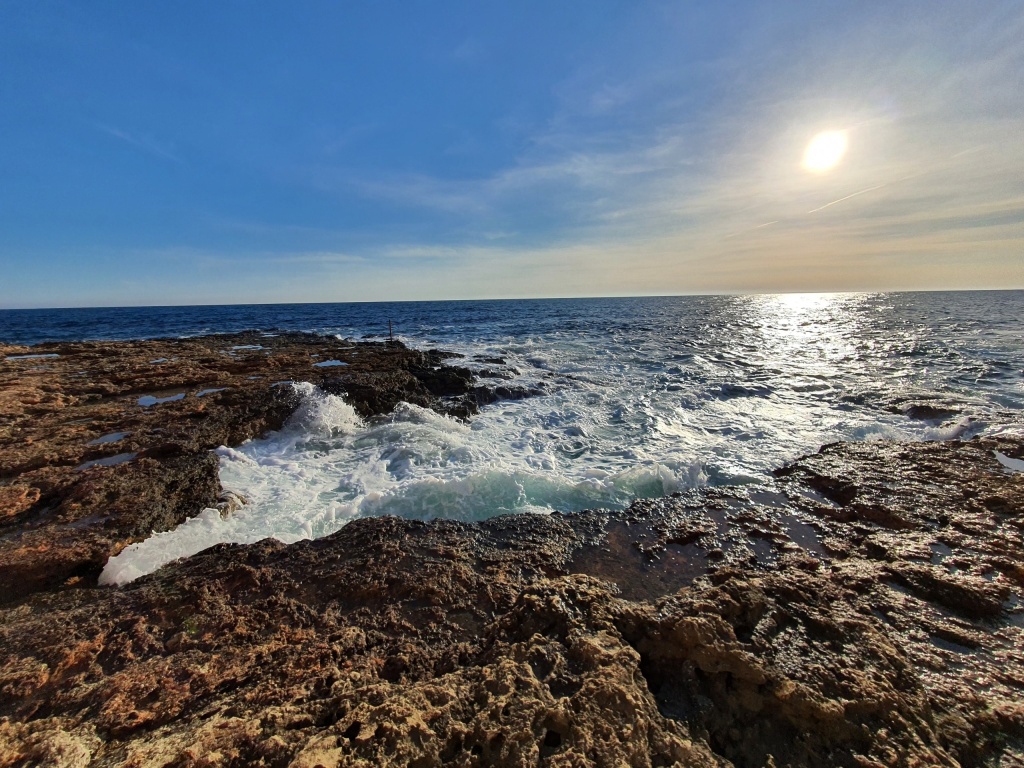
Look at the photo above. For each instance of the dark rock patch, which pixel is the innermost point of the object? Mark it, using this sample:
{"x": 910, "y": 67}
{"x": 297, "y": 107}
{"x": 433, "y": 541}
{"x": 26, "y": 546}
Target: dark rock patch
{"x": 55, "y": 422}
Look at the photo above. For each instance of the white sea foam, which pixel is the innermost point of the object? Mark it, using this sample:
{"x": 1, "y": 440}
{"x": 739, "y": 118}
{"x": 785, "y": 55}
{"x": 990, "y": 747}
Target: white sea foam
{"x": 631, "y": 408}
{"x": 327, "y": 467}
{"x": 965, "y": 426}
{"x": 1006, "y": 430}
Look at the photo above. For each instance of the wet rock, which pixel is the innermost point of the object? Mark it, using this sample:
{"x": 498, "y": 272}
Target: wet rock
{"x": 928, "y": 412}
{"x": 552, "y": 640}
{"x": 864, "y": 607}
{"x": 492, "y": 394}
{"x": 69, "y": 499}
{"x": 410, "y": 376}
{"x": 443, "y": 381}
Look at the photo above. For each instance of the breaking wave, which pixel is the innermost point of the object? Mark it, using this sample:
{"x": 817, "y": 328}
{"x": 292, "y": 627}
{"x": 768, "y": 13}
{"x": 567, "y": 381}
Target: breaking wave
{"x": 706, "y": 390}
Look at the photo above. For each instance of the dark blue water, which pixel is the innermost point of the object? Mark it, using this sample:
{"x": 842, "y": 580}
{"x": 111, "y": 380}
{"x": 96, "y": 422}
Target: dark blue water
{"x": 963, "y": 346}
{"x": 936, "y": 314}
{"x": 642, "y": 397}
{"x": 417, "y": 319}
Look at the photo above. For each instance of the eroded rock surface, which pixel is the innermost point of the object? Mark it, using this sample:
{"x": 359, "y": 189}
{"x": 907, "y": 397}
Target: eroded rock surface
{"x": 87, "y": 467}
{"x": 863, "y": 608}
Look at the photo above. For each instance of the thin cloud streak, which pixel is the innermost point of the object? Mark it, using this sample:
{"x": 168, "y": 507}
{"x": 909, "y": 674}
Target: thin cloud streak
{"x": 841, "y": 199}
{"x": 146, "y": 144}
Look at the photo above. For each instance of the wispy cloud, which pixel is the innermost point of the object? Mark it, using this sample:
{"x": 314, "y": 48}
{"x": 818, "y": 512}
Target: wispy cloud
{"x": 654, "y": 178}
{"x": 469, "y": 50}
{"x": 586, "y": 185}
{"x": 287, "y": 259}
{"x": 935, "y": 170}
{"x": 144, "y": 143}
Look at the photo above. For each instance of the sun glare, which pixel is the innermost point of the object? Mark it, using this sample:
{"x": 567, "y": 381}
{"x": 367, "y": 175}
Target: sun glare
{"x": 825, "y": 151}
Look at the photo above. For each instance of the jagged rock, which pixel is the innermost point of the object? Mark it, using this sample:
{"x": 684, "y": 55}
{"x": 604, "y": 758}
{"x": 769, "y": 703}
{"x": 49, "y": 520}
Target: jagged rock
{"x": 863, "y": 608}
{"x": 64, "y": 511}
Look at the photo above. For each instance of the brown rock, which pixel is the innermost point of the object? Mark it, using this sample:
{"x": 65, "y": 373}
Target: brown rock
{"x": 17, "y": 498}
{"x": 85, "y": 469}
{"x": 863, "y": 609}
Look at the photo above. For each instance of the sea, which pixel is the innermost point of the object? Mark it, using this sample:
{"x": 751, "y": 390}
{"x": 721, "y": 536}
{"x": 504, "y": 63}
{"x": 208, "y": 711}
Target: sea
{"x": 640, "y": 397}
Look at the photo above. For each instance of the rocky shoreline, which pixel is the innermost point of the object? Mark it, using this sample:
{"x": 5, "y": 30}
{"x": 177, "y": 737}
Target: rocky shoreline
{"x": 863, "y": 608}
{"x": 102, "y": 443}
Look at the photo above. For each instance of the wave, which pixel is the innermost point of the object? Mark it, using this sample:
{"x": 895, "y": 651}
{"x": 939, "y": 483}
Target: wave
{"x": 636, "y": 398}
{"x": 327, "y": 467}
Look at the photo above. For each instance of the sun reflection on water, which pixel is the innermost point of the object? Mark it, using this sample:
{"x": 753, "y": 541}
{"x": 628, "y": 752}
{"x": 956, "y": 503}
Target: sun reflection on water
{"x": 808, "y": 349}
{"x": 808, "y": 333}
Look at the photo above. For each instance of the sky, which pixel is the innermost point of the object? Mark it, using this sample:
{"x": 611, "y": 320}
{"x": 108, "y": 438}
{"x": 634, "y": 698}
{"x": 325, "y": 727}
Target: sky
{"x": 238, "y": 152}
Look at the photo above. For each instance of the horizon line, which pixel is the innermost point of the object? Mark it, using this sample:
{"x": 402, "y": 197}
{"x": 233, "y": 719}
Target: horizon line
{"x": 511, "y": 298}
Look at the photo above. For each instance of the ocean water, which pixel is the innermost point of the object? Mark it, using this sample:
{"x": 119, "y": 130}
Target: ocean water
{"x": 642, "y": 397}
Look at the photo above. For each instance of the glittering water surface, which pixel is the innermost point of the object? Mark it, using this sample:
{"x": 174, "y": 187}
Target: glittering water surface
{"x": 643, "y": 397}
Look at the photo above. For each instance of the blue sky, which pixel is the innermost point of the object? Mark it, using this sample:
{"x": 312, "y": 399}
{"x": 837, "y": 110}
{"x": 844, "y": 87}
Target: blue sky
{"x": 175, "y": 153}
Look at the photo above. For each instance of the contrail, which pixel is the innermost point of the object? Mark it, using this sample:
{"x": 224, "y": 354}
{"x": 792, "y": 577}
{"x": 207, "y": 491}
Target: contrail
{"x": 869, "y": 189}
{"x": 751, "y": 229}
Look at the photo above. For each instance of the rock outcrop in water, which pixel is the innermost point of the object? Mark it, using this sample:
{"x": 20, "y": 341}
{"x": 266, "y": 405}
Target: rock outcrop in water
{"x": 102, "y": 443}
{"x": 861, "y": 609}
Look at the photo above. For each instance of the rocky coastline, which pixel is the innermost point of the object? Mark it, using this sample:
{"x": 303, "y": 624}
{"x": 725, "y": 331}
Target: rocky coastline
{"x": 864, "y": 607}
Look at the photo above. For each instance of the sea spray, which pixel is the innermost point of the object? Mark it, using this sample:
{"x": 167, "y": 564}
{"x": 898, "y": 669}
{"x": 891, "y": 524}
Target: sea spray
{"x": 327, "y": 466}
{"x": 641, "y": 397}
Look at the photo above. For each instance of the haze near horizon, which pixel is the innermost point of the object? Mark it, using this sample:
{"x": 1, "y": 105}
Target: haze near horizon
{"x": 234, "y": 153}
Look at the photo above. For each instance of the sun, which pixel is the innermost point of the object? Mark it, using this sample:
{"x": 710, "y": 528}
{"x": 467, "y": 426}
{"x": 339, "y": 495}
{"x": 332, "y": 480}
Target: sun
{"x": 825, "y": 151}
